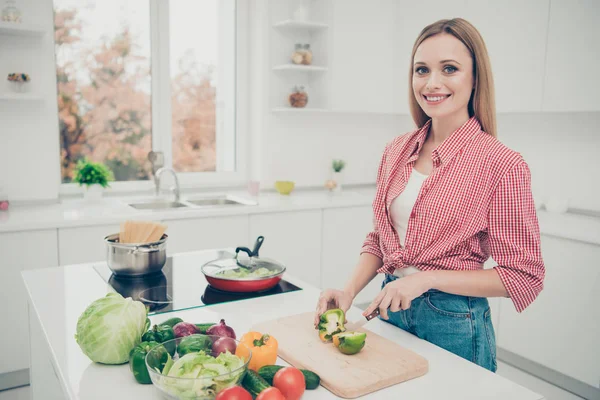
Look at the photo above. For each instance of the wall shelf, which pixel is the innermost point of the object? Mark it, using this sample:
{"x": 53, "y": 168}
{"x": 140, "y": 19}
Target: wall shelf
{"x": 293, "y": 110}
{"x": 294, "y": 25}
{"x": 20, "y": 96}
{"x": 299, "y": 68}
{"x": 13, "y": 29}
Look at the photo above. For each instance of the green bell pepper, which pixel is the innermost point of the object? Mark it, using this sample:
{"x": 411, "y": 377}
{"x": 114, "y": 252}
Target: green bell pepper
{"x": 194, "y": 344}
{"x": 331, "y": 322}
{"x": 161, "y": 334}
{"x": 137, "y": 361}
{"x": 350, "y": 342}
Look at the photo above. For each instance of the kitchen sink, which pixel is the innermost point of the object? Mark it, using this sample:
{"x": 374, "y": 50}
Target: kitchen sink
{"x": 158, "y": 205}
{"x": 215, "y": 201}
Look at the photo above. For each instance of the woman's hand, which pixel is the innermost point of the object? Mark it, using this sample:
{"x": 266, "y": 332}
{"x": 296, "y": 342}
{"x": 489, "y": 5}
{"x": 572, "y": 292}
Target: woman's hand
{"x": 399, "y": 294}
{"x": 332, "y": 298}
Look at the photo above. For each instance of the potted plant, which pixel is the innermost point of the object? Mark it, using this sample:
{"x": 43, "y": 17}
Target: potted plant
{"x": 337, "y": 166}
{"x": 95, "y": 177}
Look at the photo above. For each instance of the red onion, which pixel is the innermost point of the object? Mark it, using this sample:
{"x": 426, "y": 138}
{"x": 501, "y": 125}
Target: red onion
{"x": 184, "y": 329}
{"x": 223, "y": 344}
{"x": 221, "y": 329}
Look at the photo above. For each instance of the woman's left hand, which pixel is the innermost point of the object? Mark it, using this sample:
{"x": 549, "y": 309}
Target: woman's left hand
{"x": 399, "y": 294}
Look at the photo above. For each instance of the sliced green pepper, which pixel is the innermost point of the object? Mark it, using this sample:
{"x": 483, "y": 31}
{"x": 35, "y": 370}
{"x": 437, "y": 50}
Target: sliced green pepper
{"x": 137, "y": 361}
{"x": 161, "y": 334}
{"x": 331, "y": 323}
{"x": 350, "y": 342}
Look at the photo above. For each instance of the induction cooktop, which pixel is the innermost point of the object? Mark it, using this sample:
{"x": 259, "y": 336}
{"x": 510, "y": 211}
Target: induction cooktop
{"x": 181, "y": 284}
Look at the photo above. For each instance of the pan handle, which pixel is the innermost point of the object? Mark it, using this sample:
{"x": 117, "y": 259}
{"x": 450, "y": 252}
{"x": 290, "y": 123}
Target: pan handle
{"x": 257, "y": 244}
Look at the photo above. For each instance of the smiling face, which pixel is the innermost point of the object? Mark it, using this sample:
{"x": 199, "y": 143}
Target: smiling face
{"x": 443, "y": 78}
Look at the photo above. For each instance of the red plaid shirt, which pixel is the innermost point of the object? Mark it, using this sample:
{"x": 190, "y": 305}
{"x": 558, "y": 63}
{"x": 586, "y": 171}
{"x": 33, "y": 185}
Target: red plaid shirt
{"x": 477, "y": 202}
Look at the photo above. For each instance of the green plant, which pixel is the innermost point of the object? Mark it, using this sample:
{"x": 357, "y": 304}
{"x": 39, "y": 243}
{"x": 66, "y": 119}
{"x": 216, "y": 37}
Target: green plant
{"x": 338, "y": 165}
{"x": 90, "y": 173}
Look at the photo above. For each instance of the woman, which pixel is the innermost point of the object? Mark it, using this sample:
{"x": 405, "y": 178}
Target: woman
{"x": 449, "y": 196}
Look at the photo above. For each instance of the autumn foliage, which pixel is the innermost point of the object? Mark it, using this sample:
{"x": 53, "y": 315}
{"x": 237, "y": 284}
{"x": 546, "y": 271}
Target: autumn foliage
{"x": 105, "y": 108}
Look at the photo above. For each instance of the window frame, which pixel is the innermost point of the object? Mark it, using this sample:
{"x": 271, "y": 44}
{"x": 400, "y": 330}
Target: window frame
{"x": 161, "y": 118}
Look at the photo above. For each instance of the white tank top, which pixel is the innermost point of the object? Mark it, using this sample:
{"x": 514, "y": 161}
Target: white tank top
{"x": 400, "y": 211}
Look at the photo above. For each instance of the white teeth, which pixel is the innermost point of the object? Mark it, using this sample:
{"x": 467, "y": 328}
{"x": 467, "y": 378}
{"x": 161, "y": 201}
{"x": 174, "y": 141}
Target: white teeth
{"x": 438, "y": 98}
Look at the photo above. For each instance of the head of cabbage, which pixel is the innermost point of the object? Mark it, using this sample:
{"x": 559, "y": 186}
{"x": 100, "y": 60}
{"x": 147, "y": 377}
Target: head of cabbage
{"x": 110, "y": 327}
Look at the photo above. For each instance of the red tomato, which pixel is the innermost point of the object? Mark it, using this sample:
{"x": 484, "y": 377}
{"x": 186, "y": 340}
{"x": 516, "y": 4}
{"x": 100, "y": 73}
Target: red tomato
{"x": 234, "y": 393}
{"x": 271, "y": 393}
{"x": 291, "y": 382}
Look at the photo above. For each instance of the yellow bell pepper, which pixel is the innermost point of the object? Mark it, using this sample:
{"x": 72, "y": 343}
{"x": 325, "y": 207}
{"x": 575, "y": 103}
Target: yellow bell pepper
{"x": 263, "y": 347}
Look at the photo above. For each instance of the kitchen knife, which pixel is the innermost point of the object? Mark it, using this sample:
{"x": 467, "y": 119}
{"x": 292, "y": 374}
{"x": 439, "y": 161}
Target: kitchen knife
{"x": 366, "y": 319}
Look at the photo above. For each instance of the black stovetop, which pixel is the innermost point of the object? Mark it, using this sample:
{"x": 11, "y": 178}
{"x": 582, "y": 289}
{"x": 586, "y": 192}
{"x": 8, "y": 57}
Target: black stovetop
{"x": 180, "y": 285}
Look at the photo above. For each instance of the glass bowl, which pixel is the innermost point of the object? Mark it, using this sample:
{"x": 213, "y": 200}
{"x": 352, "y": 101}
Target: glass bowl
{"x": 207, "y": 383}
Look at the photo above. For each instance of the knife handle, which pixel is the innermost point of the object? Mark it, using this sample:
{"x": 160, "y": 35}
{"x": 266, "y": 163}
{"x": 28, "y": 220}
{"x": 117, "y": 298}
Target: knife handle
{"x": 373, "y": 314}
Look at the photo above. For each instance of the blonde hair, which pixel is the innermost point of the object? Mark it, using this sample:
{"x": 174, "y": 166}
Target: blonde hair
{"x": 482, "y": 102}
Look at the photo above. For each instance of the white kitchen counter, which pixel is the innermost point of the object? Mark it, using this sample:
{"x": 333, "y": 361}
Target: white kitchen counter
{"x": 76, "y": 213}
{"x": 59, "y": 370}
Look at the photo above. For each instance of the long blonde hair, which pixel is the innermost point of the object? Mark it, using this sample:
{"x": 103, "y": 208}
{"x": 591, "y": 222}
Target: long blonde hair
{"x": 482, "y": 103}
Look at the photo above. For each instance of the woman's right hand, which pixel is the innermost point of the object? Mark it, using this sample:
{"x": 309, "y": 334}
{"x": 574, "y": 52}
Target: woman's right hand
{"x": 332, "y": 298}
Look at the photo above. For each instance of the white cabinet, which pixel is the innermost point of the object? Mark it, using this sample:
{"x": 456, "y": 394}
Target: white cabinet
{"x": 515, "y": 33}
{"x": 20, "y": 251}
{"x": 83, "y": 244}
{"x": 344, "y": 232}
{"x": 363, "y": 70}
{"x": 570, "y": 84}
{"x": 560, "y": 330}
{"x": 292, "y": 238}
{"x": 206, "y": 233}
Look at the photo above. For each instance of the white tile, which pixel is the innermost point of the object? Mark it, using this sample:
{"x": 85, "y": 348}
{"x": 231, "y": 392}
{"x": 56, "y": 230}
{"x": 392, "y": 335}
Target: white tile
{"x": 549, "y": 391}
{"x": 22, "y": 393}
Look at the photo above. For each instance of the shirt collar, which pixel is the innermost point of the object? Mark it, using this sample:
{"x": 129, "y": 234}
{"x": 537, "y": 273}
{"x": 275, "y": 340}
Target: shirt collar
{"x": 457, "y": 140}
{"x": 449, "y": 147}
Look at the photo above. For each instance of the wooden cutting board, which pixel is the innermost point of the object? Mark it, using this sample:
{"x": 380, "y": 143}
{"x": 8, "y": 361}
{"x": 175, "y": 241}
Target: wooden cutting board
{"x": 381, "y": 363}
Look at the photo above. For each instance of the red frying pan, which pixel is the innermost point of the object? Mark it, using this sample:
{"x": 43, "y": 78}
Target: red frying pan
{"x": 245, "y": 272}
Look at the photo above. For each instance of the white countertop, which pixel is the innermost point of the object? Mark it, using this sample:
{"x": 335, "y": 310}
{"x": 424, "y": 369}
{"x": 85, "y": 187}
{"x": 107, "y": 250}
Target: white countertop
{"x": 77, "y": 213}
{"x": 59, "y": 295}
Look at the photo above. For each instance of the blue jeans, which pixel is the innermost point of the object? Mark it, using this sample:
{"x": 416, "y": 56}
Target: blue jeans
{"x": 459, "y": 324}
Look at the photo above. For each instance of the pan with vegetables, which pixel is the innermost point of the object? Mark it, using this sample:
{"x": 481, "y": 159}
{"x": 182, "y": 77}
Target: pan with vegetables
{"x": 245, "y": 272}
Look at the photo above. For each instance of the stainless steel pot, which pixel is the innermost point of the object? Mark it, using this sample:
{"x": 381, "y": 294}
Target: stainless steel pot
{"x": 129, "y": 259}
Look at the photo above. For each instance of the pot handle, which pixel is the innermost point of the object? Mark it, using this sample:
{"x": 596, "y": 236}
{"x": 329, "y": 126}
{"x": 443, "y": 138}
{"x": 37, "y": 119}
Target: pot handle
{"x": 253, "y": 252}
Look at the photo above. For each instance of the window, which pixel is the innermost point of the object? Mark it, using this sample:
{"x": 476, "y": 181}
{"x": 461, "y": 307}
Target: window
{"x": 141, "y": 75}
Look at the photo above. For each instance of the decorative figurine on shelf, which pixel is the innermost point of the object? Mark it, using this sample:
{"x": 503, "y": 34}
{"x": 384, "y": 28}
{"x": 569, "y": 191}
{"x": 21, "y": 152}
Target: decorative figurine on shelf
{"x": 95, "y": 177}
{"x": 19, "y": 82}
{"x": 335, "y": 183}
{"x": 10, "y": 12}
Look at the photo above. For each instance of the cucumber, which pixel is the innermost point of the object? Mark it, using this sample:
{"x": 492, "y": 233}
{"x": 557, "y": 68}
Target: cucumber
{"x": 171, "y": 322}
{"x": 254, "y": 383}
{"x": 203, "y": 327}
{"x": 268, "y": 372}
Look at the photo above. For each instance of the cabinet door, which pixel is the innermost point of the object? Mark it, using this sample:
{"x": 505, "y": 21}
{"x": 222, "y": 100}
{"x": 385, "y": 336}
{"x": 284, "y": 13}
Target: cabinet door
{"x": 571, "y": 84}
{"x": 344, "y": 232}
{"x": 292, "y": 238}
{"x": 363, "y": 62}
{"x": 206, "y": 233}
{"x": 83, "y": 244}
{"x": 514, "y": 32}
{"x": 560, "y": 330}
{"x": 20, "y": 251}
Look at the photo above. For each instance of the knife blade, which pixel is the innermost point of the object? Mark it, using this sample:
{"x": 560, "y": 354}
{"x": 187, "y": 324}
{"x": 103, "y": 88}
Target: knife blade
{"x": 360, "y": 323}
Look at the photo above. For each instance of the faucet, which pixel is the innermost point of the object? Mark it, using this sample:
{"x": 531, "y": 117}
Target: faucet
{"x": 157, "y": 176}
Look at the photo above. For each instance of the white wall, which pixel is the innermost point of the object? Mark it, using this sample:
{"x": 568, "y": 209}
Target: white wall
{"x": 558, "y": 146}
{"x": 29, "y": 141}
